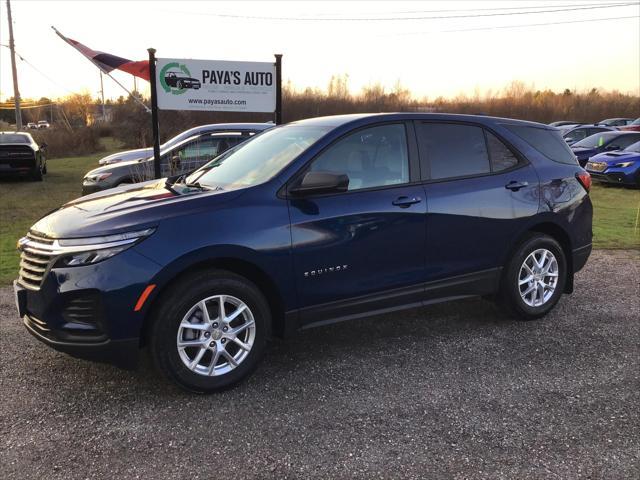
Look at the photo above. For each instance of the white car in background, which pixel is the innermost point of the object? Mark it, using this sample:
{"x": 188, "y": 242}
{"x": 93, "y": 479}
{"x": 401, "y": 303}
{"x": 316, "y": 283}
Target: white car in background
{"x": 137, "y": 154}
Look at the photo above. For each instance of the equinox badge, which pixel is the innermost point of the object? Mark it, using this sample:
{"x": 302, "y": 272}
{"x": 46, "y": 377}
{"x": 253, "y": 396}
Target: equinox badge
{"x": 320, "y": 271}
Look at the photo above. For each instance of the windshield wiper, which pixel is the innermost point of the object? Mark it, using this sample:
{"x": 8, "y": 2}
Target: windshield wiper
{"x": 173, "y": 180}
{"x": 196, "y": 185}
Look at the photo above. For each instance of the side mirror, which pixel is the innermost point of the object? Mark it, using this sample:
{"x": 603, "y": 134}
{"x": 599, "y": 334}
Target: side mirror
{"x": 612, "y": 148}
{"x": 321, "y": 182}
{"x": 43, "y": 145}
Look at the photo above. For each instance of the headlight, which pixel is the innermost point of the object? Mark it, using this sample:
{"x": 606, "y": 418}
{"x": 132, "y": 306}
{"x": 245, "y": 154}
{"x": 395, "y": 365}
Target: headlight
{"x": 624, "y": 164}
{"x": 98, "y": 177}
{"x": 73, "y": 252}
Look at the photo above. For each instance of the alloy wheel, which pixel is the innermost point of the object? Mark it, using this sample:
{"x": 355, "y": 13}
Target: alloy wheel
{"x": 538, "y": 277}
{"x": 216, "y": 335}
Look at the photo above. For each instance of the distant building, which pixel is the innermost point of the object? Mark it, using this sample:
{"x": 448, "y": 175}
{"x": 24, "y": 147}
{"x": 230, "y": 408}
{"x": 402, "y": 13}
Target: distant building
{"x": 96, "y": 115}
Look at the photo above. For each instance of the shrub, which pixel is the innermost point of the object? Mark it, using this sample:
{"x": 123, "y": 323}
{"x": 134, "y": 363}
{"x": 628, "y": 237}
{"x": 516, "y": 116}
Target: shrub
{"x": 62, "y": 142}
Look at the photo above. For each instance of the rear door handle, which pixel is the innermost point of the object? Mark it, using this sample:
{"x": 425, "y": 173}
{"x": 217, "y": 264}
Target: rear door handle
{"x": 404, "y": 201}
{"x": 515, "y": 186}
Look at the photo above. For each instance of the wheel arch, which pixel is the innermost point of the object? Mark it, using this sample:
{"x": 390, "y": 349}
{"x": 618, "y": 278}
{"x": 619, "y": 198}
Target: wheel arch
{"x": 245, "y": 269}
{"x": 559, "y": 234}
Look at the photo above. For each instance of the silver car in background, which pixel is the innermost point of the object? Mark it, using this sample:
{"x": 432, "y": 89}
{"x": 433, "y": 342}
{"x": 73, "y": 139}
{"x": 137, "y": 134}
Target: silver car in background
{"x": 182, "y": 157}
{"x": 137, "y": 154}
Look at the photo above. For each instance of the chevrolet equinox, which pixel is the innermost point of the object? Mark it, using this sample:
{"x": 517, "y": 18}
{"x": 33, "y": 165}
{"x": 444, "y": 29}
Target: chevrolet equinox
{"x": 308, "y": 223}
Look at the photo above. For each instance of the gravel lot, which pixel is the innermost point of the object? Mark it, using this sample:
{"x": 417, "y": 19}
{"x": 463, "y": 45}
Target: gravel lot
{"x": 451, "y": 391}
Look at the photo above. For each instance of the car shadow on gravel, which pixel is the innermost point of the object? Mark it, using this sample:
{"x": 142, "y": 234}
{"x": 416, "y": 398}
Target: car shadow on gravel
{"x": 308, "y": 357}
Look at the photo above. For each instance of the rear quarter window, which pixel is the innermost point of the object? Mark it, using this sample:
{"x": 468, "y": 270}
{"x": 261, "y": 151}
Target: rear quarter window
{"x": 548, "y": 142}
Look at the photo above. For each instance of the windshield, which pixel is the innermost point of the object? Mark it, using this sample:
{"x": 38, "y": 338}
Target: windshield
{"x": 14, "y": 138}
{"x": 259, "y": 159}
{"x": 597, "y": 140}
{"x": 636, "y": 122}
{"x": 634, "y": 147}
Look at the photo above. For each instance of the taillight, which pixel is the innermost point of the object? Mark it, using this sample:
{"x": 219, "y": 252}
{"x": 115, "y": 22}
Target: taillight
{"x": 585, "y": 180}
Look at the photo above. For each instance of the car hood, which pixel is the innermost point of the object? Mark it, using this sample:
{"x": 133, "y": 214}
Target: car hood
{"x": 582, "y": 152}
{"x": 132, "y": 207}
{"x": 615, "y": 157}
{"x": 132, "y": 165}
{"x": 127, "y": 155}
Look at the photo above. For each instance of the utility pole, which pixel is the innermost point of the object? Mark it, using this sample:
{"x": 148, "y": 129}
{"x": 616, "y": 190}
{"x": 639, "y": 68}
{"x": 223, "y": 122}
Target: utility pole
{"x": 14, "y": 71}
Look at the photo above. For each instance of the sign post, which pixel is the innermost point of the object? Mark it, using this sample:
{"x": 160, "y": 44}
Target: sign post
{"x": 154, "y": 112}
{"x": 278, "y": 118}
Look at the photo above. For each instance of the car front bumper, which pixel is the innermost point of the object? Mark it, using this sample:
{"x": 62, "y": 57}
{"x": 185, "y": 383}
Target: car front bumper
{"x": 89, "y": 311}
{"x": 618, "y": 176}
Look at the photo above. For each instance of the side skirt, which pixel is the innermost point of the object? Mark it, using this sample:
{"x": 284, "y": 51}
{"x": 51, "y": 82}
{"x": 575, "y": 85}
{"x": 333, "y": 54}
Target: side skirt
{"x": 474, "y": 284}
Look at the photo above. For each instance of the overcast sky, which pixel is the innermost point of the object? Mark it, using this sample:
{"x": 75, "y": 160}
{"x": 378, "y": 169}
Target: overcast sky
{"x": 430, "y": 56}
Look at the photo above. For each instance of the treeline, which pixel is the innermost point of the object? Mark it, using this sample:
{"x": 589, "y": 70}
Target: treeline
{"x": 81, "y": 119}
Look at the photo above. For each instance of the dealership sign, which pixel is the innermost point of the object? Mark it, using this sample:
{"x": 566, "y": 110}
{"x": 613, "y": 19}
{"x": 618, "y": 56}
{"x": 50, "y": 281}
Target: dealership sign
{"x": 215, "y": 85}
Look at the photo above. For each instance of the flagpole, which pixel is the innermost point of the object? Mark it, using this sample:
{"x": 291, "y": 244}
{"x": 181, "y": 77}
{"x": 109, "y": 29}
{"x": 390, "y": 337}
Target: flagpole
{"x": 125, "y": 89}
{"x": 104, "y": 115}
{"x": 104, "y": 71}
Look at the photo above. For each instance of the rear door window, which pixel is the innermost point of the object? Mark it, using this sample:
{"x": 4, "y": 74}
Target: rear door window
{"x": 454, "y": 150}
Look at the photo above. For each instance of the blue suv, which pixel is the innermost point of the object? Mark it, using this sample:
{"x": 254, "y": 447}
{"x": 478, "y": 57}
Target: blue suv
{"x": 313, "y": 222}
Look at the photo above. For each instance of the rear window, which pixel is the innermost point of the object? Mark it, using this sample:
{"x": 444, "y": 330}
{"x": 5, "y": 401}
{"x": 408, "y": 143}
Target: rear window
{"x": 548, "y": 142}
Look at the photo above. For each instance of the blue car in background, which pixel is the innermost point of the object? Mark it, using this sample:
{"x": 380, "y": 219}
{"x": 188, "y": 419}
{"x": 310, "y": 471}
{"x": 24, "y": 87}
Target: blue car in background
{"x": 621, "y": 167}
{"x": 603, "y": 142}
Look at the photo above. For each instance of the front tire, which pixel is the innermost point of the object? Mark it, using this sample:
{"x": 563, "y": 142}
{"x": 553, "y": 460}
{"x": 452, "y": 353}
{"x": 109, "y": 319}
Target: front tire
{"x": 534, "y": 278}
{"x": 210, "y": 331}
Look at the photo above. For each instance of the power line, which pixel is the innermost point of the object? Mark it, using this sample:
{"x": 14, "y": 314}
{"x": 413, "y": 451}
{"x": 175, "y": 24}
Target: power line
{"x": 473, "y": 9}
{"x": 387, "y": 19}
{"x": 513, "y": 26}
{"x": 39, "y": 71}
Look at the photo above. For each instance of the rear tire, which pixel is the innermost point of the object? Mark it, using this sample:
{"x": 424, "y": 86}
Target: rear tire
{"x": 187, "y": 344}
{"x": 535, "y": 277}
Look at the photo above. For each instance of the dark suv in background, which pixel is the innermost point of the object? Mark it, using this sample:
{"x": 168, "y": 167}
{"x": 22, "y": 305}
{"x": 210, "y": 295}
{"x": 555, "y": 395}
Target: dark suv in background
{"x": 313, "y": 222}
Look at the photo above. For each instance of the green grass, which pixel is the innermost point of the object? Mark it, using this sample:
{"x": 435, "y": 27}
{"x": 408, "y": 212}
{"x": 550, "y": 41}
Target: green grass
{"x": 22, "y": 202}
{"x": 616, "y": 210}
{"x": 616, "y": 217}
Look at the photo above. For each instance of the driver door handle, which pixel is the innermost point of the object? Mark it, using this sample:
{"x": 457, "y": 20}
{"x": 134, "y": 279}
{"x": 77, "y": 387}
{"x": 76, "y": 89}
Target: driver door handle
{"x": 405, "y": 202}
{"x": 515, "y": 186}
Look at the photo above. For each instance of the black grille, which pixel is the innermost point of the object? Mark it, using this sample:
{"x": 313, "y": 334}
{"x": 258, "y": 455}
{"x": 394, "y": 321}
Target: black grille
{"x": 16, "y": 156}
{"x": 83, "y": 318}
{"x": 83, "y": 310}
{"x": 82, "y": 321}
